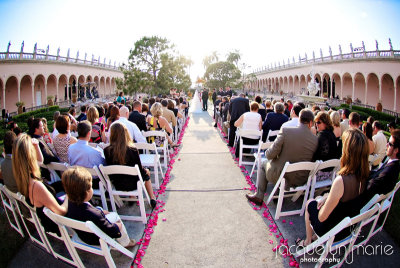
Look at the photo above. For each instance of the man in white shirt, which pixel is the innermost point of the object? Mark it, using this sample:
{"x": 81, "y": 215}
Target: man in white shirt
{"x": 133, "y": 129}
{"x": 294, "y": 114}
{"x": 344, "y": 125}
{"x": 380, "y": 142}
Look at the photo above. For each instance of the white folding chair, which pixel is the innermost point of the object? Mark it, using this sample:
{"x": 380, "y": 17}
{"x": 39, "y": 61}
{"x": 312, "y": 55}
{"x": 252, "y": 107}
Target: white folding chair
{"x": 271, "y": 134}
{"x": 67, "y": 226}
{"x": 355, "y": 224}
{"x": 135, "y": 195}
{"x": 281, "y": 184}
{"x": 371, "y": 159}
{"x": 42, "y": 240}
{"x": 164, "y": 147}
{"x": 332, "y": 163}
{"x": 11, "y": 206}
{"x": 259, "y": 156}
{"x": 56, "y": 168}
{"x": 149, "y": 159}
{"x": 247, "y": 133}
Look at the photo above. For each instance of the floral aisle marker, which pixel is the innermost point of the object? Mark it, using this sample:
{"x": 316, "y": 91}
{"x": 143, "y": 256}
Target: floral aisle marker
{"x": 153, "y": 216}
{"x": 273, "y": 228}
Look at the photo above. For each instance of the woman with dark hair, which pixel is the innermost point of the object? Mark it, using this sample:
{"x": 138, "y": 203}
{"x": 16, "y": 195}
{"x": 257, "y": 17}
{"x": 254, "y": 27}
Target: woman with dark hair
{"x": 327, "y": 145}
{"x": 122, "y": 151}
{"x": 367, "y": 130}
{"x": 114, "y": 116}
{"x": 343, "y": 199}
{"x": 171, "y": 107}
{"x": 63, "y": 140}
{"x": 261, "y": 109}
{"x": 101, "y": 111}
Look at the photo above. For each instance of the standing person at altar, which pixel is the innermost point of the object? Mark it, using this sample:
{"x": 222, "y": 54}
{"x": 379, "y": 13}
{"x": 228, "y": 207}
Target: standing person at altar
{"x": 204, "y": 97}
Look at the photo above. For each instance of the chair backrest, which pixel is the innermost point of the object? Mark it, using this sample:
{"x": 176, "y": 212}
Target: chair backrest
{"x": 298, "y": 166}
{"x": 154, "y": 133}
{"x": 146, "y": 146}
{"x": 272, "y": 133}
{"x": 249, "y": 132}
{"x": 10, "y": 205}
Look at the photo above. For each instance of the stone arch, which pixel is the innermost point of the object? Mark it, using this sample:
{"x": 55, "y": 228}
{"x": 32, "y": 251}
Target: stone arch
{"x": 296, "y": 85}
{"x": 291, "y": 85}
{"x": 51, "y": 86}
{"x": 359, "y": 87}
{"x": 108, "y": 85}
{"x": 372, "y": 89}
{"x": 303, "y": 84}
{"x": 336, "y": 85}
{"x": 39, "y": 92}
{"x": 285, "y": 84}
{"x": 2, "y": 94}
{"x": 62, "y": 84}
{"x": 11, "y": 93}
{"x": 113, "y": 85}
{"x": 347, "y": 84}
{"x": 103, "y": 85}
{"x": 280, "y": 84}
{"x": 387, "y": 85}
{"x": 317, "y": 79}
{"x": 71, "y": 87}
{"x": 89, "y": 78}
{"x": 26, "y": 91}
{"x": 326, "y": 85}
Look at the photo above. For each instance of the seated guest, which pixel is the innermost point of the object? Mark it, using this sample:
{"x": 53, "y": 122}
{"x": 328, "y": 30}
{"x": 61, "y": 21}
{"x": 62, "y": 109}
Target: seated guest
{"x": 172, "y": 107}
{"x": 293, "y": 144}
{"x": 344, "y": 125}
{"x": 294, "y": 115}
{"x": 36, "y": 131}
{"x": 122, "y": 151}
{"x": 55, "y": 116}
{"x": 391, "y": 127}
{"x": 383, "y": 180}
{"x": 261, "y": 109}
{"x": 136, "y": 116}
{"x": 6, "y": 165}
{"x": 380, "y": 143}
{"x": 274, "y": 121}
{"x": 82, "y": 115}
{"x": 78, "y": 185}
{"x": 367, "y": 130}
{"x": 102, "y": 117}
{"x": 252, "y": 121}
{"x": 158, "y": 122}
{"x": 354, "y": 120}
{"x": 268, "y": 107}
{"x": 145, "y": 111}
{"x": 63, "y": 140}
{"x": 133, "y": 130}
{"x": 327, "y": 146}
{"x": 26, "y": 153}
{"x": 113, "y": 116}
{"x": 81, "y": 153}
{"x": 335, "y": 117}
{"x": 344, "y": 197}
{"x": 46, "y": 135}
{"x": 98, "y": 130}
{"x": 168, "y": 114}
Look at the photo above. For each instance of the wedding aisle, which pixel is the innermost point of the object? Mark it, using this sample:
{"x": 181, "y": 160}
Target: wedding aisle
{"x": 207, "y": 220}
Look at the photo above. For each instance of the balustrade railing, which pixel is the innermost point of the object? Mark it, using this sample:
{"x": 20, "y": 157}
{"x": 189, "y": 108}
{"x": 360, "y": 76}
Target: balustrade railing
{"x": 4, "y": 56}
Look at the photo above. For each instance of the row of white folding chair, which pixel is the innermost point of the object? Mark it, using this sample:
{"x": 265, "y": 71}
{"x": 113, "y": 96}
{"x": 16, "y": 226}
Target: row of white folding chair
{"x": 164, "y": 147}
{"x": 151, "y": 158}
{"x": 308, "y": 189}
{"x": 73, "y": 242}
{"x": 247, "y": 133}
{"x": 262, "y": 146}
{"x": 327, "y": 241}
{"x": 17, "y": 199}
{"x": 10, "y": 208}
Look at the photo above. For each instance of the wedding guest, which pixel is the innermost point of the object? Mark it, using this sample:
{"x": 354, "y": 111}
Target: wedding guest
{"x": 237, "y": 107}
{"x": 367, "y": 130}
{"x": 344, "y": 197}
{"x": 274, "y": 120}
{"x": 46, "y": 134}
{"x": 6, "y": 165}
{"x": 136, "y": 116}
{"x": 63, "y": 140}
{"x": 98, "y": 130}
{"x": 380, "y": 143}
{"x": 122, "y": 151}
{"x": 158, "y": 122}
{"x": 261, "y": 109}
{"x": 133, "y": 130}
{"x": 82, "y": 115}
{"x": 335, "y": 117}
{"x": 113, "y": 116}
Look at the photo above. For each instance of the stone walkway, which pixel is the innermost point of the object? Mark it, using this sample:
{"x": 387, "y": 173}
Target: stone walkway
{"x": 208, "y": 221}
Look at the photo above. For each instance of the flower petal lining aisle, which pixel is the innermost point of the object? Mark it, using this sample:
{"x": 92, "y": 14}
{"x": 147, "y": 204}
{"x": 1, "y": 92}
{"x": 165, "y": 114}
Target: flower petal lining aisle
{"x": 153, "y": 217}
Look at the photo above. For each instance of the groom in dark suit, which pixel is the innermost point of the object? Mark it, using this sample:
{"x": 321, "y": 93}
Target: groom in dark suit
{"x": 383, "y": 180}
{"x": 204, "y": 97}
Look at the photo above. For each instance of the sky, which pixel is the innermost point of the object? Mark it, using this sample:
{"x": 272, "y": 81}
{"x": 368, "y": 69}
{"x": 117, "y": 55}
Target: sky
{"x": 263, "y": 31}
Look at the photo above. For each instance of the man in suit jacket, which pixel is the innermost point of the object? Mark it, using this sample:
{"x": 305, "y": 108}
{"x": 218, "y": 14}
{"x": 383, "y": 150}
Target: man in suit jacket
{"x": 214, "y": 96}
{"x": 204, "y": 97}
{"x": 274, "y": 120}
{"x": 168, "y": 114}
{"x": 293, "y": 144}
{"x": 383, "y": 180}
{"x": 136, "y": 117}
{"x": 82, "y": 116}
{"x": 237, "y": 107}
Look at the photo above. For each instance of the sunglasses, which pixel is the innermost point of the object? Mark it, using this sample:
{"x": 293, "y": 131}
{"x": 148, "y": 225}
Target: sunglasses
{"x": 390, "y": 144}
{"x": 318, "y": 122}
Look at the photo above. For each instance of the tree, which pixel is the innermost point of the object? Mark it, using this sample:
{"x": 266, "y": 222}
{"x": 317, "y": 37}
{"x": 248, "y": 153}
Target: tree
{"x": 208, "y": 60}
{"x": 221, "y": 74}
{"x": 135, "y": 80}
{"x": 173, "y": 73}
{"x": 234, "y": 57}
{"x": 146, "y": 54}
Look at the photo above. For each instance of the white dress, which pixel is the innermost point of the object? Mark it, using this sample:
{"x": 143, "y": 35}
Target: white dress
{"x": 195, "y": 105}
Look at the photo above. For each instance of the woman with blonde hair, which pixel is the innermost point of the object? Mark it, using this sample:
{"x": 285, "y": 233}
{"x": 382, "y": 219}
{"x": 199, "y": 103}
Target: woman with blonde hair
{"x": 97, "y": 135}
{"x": 335, "y": 117}
{"x": 158, "y": 122}
{"x": 26, "y": 154}
{"x": 343, "y": 199}
{"x": 46, "y": 136}
{"x": 122, "y": 151}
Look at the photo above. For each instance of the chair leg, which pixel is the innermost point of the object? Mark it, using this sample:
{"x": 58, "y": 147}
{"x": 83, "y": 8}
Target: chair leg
{"x": 280, "y": 199}
{"x": 156, "y": 181}
{"x": 106, "y": 252}
{"x": 141, "y": 206}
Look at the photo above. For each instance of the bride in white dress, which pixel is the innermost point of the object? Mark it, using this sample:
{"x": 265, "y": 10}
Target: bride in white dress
{"x": 195, "y": 105}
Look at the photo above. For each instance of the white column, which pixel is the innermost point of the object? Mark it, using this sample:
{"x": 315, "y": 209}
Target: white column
{"x": 4, "y": 96}
{"x": 395, "y": 98}
{"x": 366, "y": 91}
{"x": 45, "y": 91}
{"x": 58, "y": 97}
{"x": 380, "y": 90}
{"x": 19, "y": 89}
{"x": 341, "y": 88}
{"x": 354, "y": 82}
{"x": 331, "y": 84}
{"x": 33, "y": 94}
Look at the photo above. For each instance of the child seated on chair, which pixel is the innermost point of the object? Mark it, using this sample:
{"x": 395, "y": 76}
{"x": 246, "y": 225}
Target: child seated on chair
{"x": 77, "y": 183}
